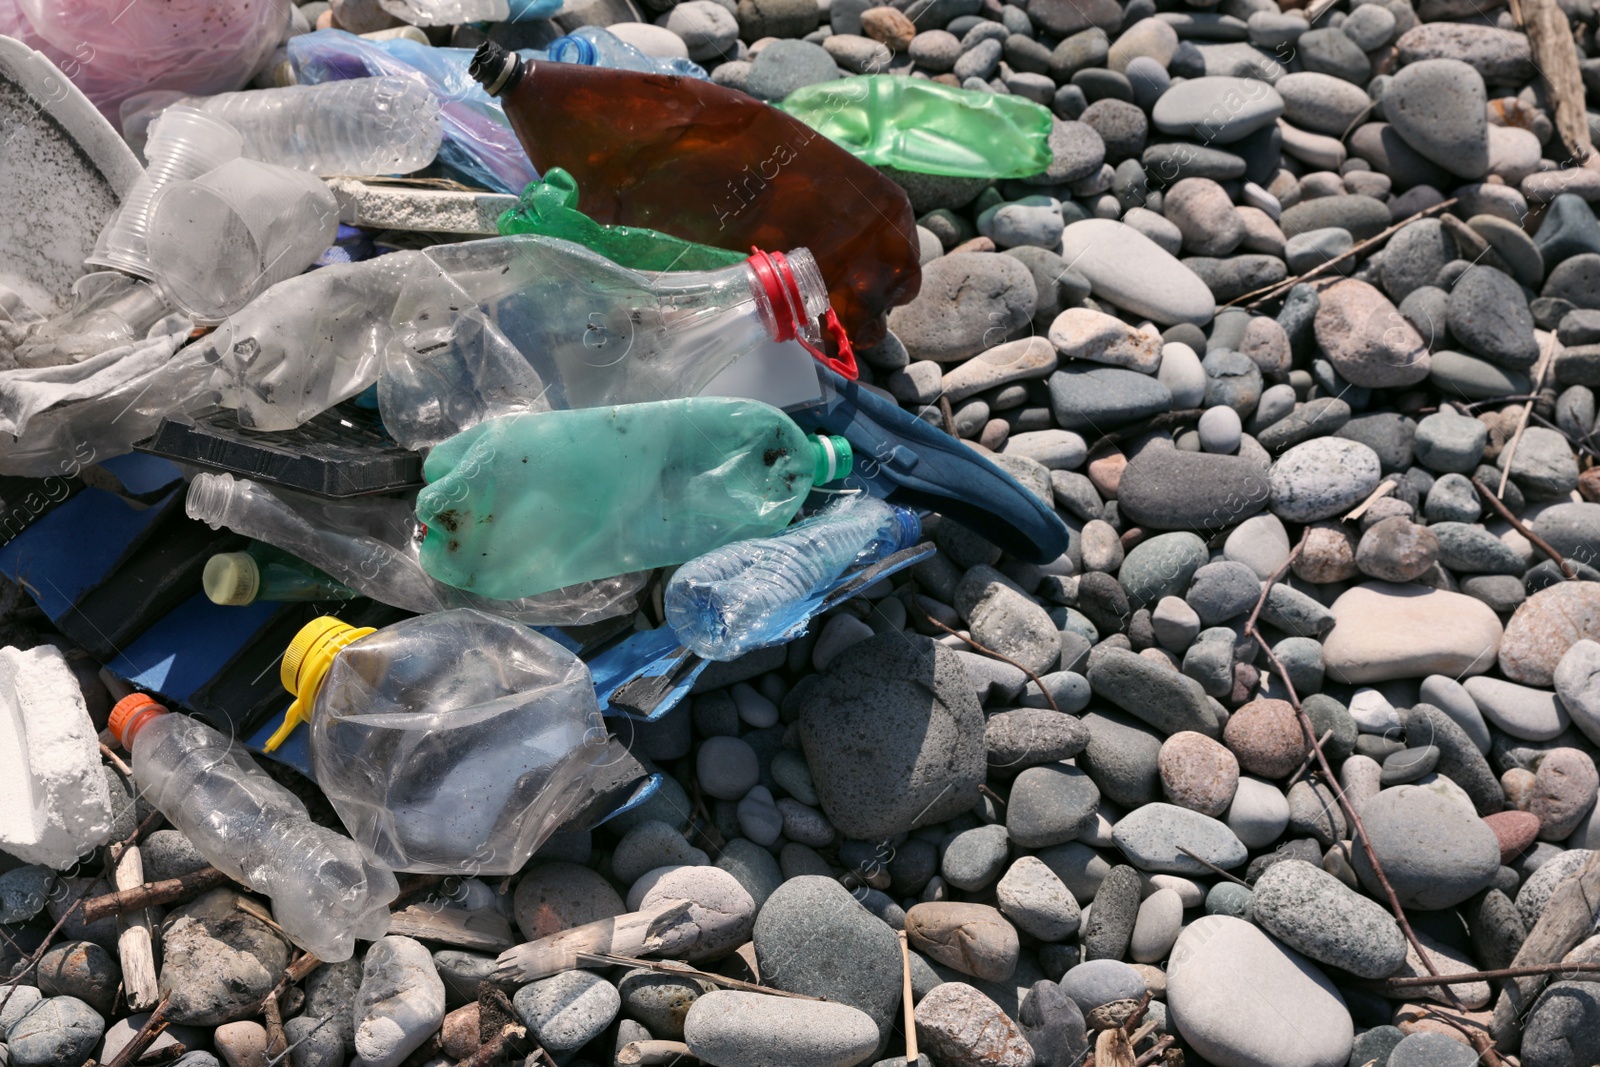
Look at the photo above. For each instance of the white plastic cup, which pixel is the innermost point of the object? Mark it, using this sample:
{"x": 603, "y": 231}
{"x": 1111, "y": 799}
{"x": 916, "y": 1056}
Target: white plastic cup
{"x": 220, "y": 240}
{"x": 184, "y": 143}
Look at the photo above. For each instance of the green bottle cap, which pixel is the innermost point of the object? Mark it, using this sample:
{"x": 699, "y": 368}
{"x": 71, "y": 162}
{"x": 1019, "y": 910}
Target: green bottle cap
{"x": 834, "y": 459}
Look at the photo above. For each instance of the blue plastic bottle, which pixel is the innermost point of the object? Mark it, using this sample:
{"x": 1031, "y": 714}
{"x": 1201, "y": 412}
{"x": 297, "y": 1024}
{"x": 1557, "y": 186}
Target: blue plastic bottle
{"x": 759, "y": 592}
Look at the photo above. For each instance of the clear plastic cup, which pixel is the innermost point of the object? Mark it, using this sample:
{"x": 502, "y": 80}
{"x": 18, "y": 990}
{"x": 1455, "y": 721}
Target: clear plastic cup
{"x": 184, "y": 143}
{"x": 220, "y": 240}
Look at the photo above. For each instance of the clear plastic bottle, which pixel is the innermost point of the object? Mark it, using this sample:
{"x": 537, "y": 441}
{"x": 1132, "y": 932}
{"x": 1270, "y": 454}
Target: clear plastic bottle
{"x": 371, "y": 545}
{"x": 447, "y": 12}
{"x": 451, "y": 743}
{"x": 324, "y": 894}
{"x": 593, "y": 46}
{"x": 262, "y": 572}
{"x": 755, "y": 593}
{"x": 387, "y": 125}
{"x": 524, "y": 503}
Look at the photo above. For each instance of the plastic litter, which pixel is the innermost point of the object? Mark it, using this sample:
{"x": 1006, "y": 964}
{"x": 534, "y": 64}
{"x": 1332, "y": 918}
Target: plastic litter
{"x": 220, "y": 239}
{"x": 550, "y": 208}
{"x": 371, "y": 545}
{"x": 262, "y": 572}
{"x": 325, "y": 896}
{"x": 929, "y": 128}
{"x": 452, "y": 743}
{"x": 761, "y": 592}
{"x": 525, "y": 503}
{"x": 381, "y": 125}
{"x": 711, "y": 164}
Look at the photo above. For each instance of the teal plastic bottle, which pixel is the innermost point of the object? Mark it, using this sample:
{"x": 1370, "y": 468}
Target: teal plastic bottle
{"x": 526, "y": 503}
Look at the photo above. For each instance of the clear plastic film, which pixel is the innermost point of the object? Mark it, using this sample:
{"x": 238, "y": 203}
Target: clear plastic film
{"x": 371, "y": 545}
{"x": 477, "y": 144}
{"x": 763, "y": 591}
{"x": 325, "y": 895}
{"x": 455, "y": 743}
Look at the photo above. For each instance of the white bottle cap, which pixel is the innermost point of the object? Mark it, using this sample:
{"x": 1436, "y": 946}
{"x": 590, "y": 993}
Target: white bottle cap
{"x": 231, "y": 578}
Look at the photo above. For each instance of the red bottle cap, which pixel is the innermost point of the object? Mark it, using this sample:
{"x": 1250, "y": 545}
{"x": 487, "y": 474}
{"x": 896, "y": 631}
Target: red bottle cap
{"x": 789, "y": 309}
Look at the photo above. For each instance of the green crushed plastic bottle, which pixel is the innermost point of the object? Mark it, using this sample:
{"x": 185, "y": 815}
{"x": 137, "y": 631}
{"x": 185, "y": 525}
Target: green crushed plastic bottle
{"x": 526, "y": 503}
{"x": 550, "y": 208}
{"x": 927, "y": 127}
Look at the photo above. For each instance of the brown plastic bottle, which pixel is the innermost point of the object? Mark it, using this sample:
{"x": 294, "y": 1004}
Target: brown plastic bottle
{"x": 711, "y": 164}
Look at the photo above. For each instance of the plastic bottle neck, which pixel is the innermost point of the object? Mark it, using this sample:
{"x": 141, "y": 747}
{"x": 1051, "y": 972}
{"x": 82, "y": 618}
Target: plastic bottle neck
{"x": 305, "y": 663}
{"x": 789, "y": 291}
{"x": 833, "y": 459}
{"x": 497, "y": 69}
{"x": 570, "y": 49}
{"x": 908, "y": 527}
{"x": 131, "y": 714}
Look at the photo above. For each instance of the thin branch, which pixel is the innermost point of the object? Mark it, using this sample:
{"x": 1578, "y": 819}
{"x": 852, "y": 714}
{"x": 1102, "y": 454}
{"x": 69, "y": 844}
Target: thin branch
{"x": 152, "y": 893}
{"x": 1518, "y": 525}
{"x": 906, "y": 999}
{"x": 1131, "y": 1023}
{"x": 1546, "y": 357}
{"x": 132, "y": 839}
{"x": 1465, "y": 977}
{"x": 1372, "y": 498}
{"x": 146, "y": 1036}
{"x": 1214, "y": 868}
{"x": 1357, "y": 826}
{"x": 1153, "y": 1053}
{"x": 116, "y": 760}
{"x": 1305, "y": 764}
{"x": 38, "y": 953}
{"x": 912, "y": 605}
{"x": 1268, "y": 292}
{"x": 691, "y": 972}
{"x": 947, "y": 413}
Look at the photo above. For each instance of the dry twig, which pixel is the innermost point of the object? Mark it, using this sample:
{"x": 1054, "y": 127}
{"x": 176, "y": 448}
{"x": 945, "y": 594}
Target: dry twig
{"x": 685, "y": 971}
{"x": 912, "y": 606}
{"x": 146, "y": 1036}
{"x": 152, "y": 893}
{"x": 905, "y": 996}
{"x": 1546, "y": 357}
{"x": 1518, "y": 525}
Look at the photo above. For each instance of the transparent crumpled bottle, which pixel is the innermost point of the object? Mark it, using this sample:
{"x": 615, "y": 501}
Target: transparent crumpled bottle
{"x": 109, "y": 309}
{"x": 371, "y": 545}
{"x": 523, "y": 503}
{"x": 451, "y": 743}
{"x": 593, "y": 46}
{"x": 760, "y": 592}
{"x": 532, "y": 323}
{"x": 325, "y": 895}
{"x": 385, "y": 125}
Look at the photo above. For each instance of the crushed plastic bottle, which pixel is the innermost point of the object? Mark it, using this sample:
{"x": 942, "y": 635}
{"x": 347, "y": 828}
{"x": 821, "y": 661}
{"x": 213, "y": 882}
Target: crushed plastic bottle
{"x": 451, "y": 743}
{"x": 550, "y": 208}
{"x": 592, "y": 46}
{"x": 262, "y": 572}
{"x": 453, "y": 12}
{"x": 923, "y": 126}
{"x": 534, "y": 323}
{"x": 383, "y": 125}
{"x": 370, "y": 544}
{"x": 109, "y": 309}
{"x": 761, "y": 592}
{"x": 711, "y": 164}
{"x": 325, "y": 896}
{"x": 524, "y": 503}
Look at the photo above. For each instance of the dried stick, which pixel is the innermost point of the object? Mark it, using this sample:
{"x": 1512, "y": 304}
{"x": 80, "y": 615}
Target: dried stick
{"x": 1112, "y": 1049}
{"x": 277, "y": 1040}
{"x": 490, "y": 1050}
{"x": 905, "y": 996}
{"x": 1518, "y": 525}
{"x": 947, "y": 413}
{"x": 115, "y": 760}
{"x": 1565, "y": 921}
{"x": 132, "y": 839}
{"x": 152, "y": 893}
{"x": 1131, "y": 1023}
{"x": 1357, "y": 826}
{"x": 1153, "y": 1053}
{"x": 1214, "y": 868}
{"x": 911, "y": 605}
{"x": 1525, "y": 971}
{"x": 1305, "y": 764}
{"x": 650, "y": 1053}
{"x": 1550, "y": 38}
{"x": 38, "y": 953}
{"x": 1372, "y": 498}
{"x": 135, "y": 943}
{"x": 1268, "y": 292}
{"x": 1546, "y": 357}
{"x": 146, "y": 1036}
{"x": 683, "y": 971}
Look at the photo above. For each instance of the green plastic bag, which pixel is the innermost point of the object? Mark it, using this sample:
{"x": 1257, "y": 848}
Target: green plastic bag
{"x": 927, "y": 127}
{"x": 550, "y": 208}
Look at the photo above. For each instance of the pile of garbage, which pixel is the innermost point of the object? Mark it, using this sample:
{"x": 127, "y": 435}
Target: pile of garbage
{"x": 955, "y": 532}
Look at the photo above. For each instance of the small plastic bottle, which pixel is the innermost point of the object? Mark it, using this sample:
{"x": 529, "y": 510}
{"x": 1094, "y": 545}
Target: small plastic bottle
{"x": 324, "y": 894}
{"x": 524, "y": 503}
{"x": 755, "y": 593}
{"x": 596, "y": 47}
{"x": 262, "y": 572}
{"x": 450, "y": 743}
{"x": 387, "y": 125}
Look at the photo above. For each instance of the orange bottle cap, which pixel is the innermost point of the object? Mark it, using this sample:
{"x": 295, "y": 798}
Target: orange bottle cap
{"x": 130, "y": 714}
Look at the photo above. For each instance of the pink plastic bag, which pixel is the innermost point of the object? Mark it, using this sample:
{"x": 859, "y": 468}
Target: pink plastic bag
{"x": 112, "y": 49}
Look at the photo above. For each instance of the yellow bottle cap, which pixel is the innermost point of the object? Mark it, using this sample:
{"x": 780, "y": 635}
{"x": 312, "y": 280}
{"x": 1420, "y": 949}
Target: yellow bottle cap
{"x": 305, "y": 662}
{"x": 231, "y": 579}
